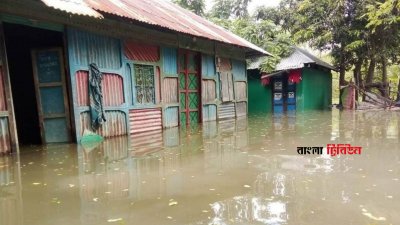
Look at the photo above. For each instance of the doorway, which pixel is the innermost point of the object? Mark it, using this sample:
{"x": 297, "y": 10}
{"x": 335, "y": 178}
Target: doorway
{"x": 37, "y": 75}
{"x": 284, "y": 94}
{"x": 189, "y": 87}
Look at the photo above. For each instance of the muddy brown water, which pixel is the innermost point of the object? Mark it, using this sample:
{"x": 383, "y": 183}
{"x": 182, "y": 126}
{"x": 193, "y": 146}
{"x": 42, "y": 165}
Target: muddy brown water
{"x": 234, "y": 172}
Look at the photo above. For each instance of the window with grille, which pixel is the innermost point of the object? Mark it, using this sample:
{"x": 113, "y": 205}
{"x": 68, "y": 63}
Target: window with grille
{"x": 144, "y": 84}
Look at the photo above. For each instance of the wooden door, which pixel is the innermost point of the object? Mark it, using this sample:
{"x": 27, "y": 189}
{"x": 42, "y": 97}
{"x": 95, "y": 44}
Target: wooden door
{"x": 189, "y": 87}
{"x": 51, "y": 95}
{"x": 8, "y": 130}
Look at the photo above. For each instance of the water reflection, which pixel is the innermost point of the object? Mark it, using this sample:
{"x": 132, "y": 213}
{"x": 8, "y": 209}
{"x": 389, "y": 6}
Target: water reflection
{"x": 243, "y": 171}
{"x": 10, "y": 191}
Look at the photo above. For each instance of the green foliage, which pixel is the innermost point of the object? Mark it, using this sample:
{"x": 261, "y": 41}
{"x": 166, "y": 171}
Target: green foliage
{"x": 196, "y": 6}
{"x": 225, "y": 9}
{"x": 356, "y": 33}
{"x": 222, "y": 9}
{"x": 257, "y": 29}
{"x": 383, "y": 14}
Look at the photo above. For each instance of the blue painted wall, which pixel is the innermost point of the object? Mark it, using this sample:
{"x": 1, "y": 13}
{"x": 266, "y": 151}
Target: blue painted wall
{"x": 208, "y": 66}
{"x": 169, "y": 58}
{"x": 239, "y": 69}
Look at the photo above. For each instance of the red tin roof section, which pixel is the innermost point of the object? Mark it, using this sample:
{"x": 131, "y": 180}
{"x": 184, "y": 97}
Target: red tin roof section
{"x": 164, "y": 14}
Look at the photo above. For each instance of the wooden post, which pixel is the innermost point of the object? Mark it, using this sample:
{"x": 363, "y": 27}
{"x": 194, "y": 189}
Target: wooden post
{"x": 8, "y": 93}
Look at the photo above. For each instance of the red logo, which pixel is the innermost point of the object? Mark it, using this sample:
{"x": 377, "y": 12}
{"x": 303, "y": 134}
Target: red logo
{"x": 332, "y": 150}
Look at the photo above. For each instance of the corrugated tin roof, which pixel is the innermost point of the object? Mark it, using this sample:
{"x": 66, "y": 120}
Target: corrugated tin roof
{"x": 73, "y": 6}
{"x": 299, "y": 58}
{"x": 296, "y": 60}
{"x": 160, "y": 13}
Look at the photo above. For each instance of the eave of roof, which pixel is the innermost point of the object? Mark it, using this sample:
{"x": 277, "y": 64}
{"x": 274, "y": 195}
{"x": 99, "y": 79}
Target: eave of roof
{"x": 160, "y": 13}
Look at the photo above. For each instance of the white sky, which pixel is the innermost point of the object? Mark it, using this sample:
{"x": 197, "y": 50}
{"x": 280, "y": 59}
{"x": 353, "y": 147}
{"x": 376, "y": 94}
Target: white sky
{"x": 253, "y": 4}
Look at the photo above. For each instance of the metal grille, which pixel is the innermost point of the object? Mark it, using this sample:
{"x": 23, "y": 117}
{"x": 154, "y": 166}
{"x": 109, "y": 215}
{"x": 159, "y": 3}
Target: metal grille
{"x": 144, "y": 84}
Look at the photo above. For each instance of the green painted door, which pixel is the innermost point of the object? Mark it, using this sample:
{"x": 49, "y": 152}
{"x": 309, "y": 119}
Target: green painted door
{"x": 189, "y": 87}
{"x": 51, "y": 95}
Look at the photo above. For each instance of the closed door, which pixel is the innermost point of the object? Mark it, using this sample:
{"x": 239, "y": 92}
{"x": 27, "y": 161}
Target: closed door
{"x": 48, "y": 66}
{"x": 189, "y": 87}
{"x": 291, "y": 96}
{"x": 278, "y": 96}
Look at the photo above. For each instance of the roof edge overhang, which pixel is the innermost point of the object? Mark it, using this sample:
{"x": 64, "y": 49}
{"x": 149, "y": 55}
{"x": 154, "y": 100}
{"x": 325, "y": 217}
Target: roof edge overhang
{"x": 21, "y": 9}
{"x": 251, "y": 50}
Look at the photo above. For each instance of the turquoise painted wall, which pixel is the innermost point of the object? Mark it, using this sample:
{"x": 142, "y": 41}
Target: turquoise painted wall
{"x": 314, "y": 92}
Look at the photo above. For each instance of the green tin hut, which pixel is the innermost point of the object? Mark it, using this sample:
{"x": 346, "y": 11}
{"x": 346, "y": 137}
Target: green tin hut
{"x": 113, "y": 67}
{"x": 300, "y": 82}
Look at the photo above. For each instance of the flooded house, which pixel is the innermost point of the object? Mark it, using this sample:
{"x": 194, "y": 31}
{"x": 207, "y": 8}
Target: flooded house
{"x": 114, "y": 68}
{"x": 300, "y": 82}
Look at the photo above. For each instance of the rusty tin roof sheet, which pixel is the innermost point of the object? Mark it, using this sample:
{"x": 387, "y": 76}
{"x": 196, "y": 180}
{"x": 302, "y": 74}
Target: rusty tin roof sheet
{"x": 73, "y": 6}
{"x": 160, "y": 13}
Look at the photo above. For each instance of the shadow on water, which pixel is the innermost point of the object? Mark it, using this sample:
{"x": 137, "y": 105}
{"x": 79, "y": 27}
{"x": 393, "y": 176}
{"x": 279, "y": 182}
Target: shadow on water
{"x": 244, "y": 171}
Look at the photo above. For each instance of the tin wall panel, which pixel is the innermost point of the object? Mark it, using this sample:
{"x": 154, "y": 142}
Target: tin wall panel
{"x": 171, "y": 117}
{"x": 226, "y": 110}
{"x": 141, "y": 52}
{"x": 3, "y": 105}
{"x": 208, "y": 91}
{"x": 114, "y": 126}
{"x": 227, "y": 89}
{"x": 5, "y": 145}
{"x": 157, "y": 85}
{"x": 113, "y": 89}
{"x": 143, "y": 120}
{"x": 170, "y": 90}
{"x": 241, "y": 109}
{"x": 208, "y": 65}
{"x": 239, "y": 69}
{"x": 240, "y": 90}
{"x": 85, "y": 48}
{"x": 129, "y": 80}
{"x": 169, "y": 59}
{"x": 82, "y": 88}
{"x": 209, "y": 113}
{"x": 224, "y": 65}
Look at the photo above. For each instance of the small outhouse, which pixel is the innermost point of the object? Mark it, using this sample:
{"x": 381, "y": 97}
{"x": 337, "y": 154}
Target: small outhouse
{"x": 300, "y": 82}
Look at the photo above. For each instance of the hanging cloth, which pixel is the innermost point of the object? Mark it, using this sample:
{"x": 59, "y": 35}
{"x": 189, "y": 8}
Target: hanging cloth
{"x": 295, "y": 76}
{"x": 265, "y": 80}
{"x": 97, "y": 114}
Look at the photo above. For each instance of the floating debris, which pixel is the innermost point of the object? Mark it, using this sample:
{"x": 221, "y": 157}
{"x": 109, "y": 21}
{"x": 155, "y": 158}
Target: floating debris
{"x": 369, "y": 215}
{"x": 114, "y": 220}
{"x": 172, "y": 202}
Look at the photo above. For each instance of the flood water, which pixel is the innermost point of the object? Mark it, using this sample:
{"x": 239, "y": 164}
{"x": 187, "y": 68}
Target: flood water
{"x": 246, "y": 171}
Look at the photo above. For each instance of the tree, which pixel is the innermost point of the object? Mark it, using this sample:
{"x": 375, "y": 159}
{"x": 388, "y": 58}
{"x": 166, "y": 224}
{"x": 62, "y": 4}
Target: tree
{"x": 228, "y": 9}
{"x": 196, "y": 6}
{"x": 261, "y": 32}
{"x": 240, "y": 8}
{"x": 384, "y": 20}
{"x": 222, "y": 9}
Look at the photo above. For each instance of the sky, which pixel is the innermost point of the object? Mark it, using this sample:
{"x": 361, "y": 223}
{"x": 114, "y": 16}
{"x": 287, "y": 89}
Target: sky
{"x": 252, "y": 6}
